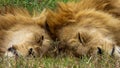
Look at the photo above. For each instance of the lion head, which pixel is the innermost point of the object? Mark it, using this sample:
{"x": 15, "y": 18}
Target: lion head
{"x": 87, "y": 31}
{"x": 27, "y": 41}
{"x": 91, "y": 44}
{"x": 24, "y": 34}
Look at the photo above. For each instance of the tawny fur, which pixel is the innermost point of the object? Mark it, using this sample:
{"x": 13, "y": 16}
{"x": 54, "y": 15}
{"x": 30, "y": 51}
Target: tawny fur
{"x": 84, "y": 30}
{"x": 21, "y": 31}
{"x": 109, "y": 6}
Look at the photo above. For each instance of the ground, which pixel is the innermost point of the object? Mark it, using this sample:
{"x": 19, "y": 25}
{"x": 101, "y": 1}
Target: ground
{"x": 66, "y": 62}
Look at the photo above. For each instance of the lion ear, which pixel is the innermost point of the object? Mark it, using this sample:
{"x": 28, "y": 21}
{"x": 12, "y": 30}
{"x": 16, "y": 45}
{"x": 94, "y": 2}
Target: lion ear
{"x": 41, "y": 19}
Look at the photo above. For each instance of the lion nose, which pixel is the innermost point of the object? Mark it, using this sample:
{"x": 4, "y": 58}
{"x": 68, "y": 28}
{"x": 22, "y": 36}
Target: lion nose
{"x": 11, "y": 49}
{"x": 31, "y": 52}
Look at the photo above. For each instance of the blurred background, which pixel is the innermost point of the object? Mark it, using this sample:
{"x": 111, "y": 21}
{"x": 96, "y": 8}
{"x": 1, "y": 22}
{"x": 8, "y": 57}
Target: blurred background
{"x": 33, "y": 4}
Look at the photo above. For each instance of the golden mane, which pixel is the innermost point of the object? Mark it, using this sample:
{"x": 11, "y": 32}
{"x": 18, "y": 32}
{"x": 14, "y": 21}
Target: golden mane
{"x": 9, "y": 16}
{"x": 64, "y": 14}
{"x": 109, "y": 6}
{"x": 61, "y": 16}
{"x": 96, "y": 4}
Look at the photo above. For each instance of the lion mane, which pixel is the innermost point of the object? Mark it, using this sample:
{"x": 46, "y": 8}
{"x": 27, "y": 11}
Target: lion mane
{"x": 109, "y": 6}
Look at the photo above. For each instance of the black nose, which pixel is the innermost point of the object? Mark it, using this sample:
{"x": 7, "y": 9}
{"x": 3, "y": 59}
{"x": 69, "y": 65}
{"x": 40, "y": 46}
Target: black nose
{"x": 11, "y": 49}
{"x": 30, "y": 51}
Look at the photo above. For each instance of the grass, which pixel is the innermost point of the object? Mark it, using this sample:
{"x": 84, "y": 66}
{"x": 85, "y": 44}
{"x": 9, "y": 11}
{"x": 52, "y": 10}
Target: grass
{"x": 38, "y": 5}
{"x": 48, "y": 62}
{"x": 66, "y": 62}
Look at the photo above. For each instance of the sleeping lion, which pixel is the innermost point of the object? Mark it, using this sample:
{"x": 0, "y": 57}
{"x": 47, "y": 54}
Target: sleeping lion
{"x": 84, "y": 30}
{"x": 22, "y": 34}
